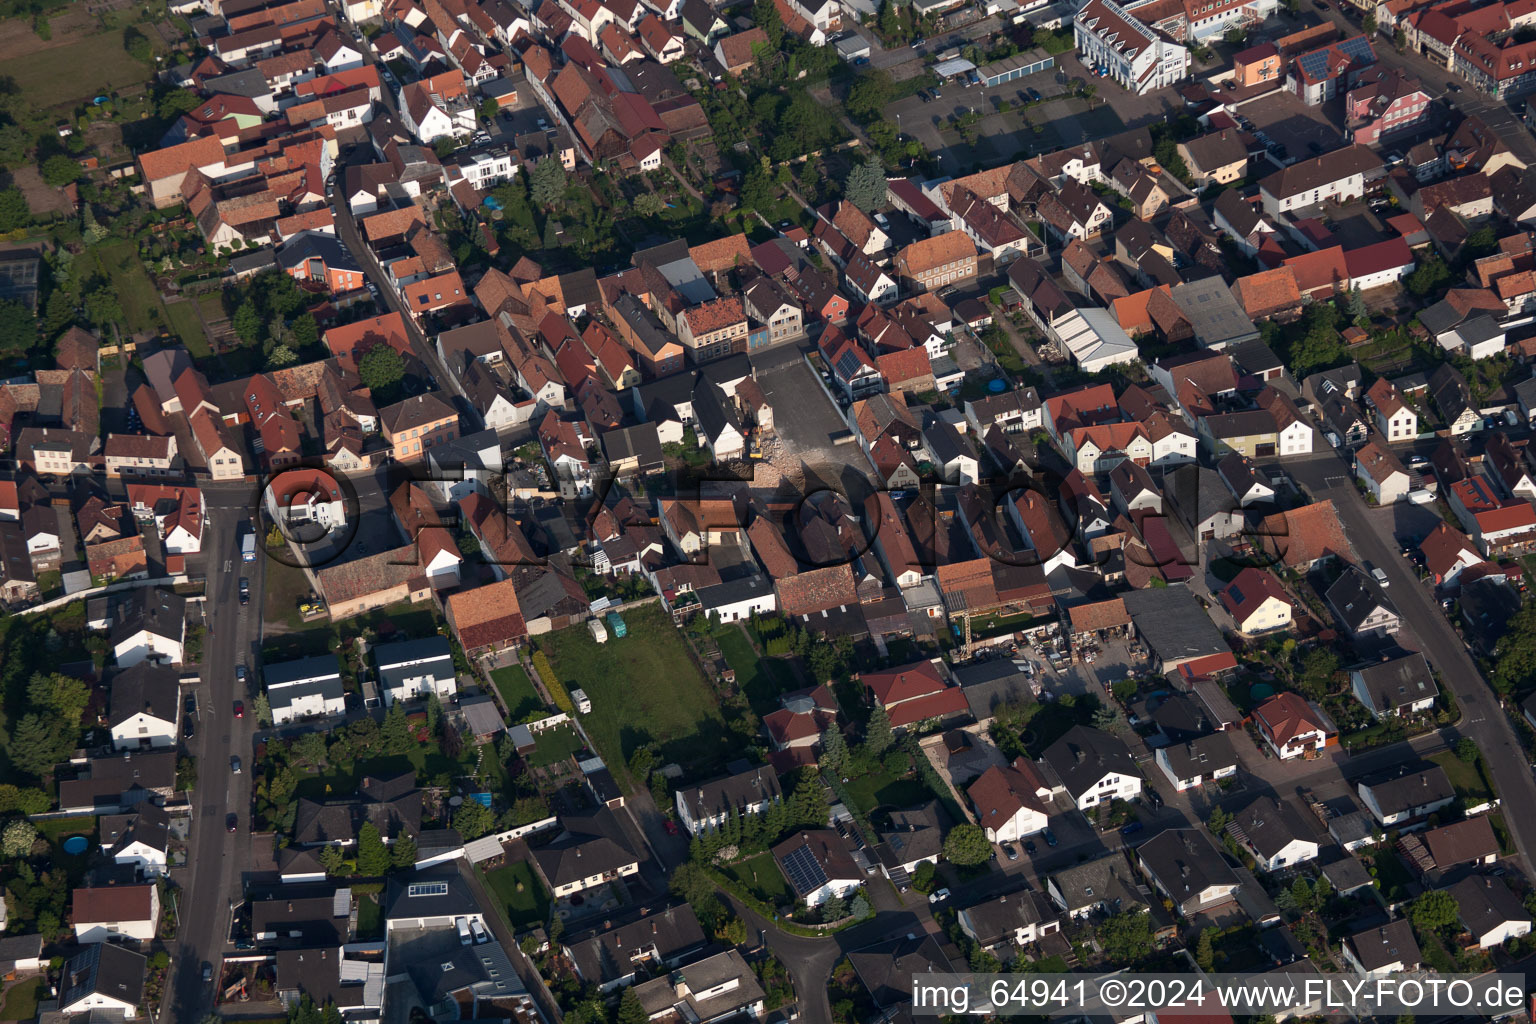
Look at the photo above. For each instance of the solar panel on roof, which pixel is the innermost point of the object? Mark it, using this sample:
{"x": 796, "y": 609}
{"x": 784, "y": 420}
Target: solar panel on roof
{"x": 804, "y": 871}
{"x": 848, "y": 365}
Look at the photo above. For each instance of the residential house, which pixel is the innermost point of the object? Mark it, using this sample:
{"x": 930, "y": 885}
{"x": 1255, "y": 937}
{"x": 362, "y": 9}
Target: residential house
{"x": 1011, "y": 801}
{"x": 1395, "y": 686}
{"x": 116, "y": 913}
{"x": 1383, "y": 476}
{"x": 1291, "y": 726}
{"x": 711, "y": 805}
{"x": 1274, "y": 833}
{"x": 1407, "y": 792}
{"x": 1185, "y": 867}
{"x": 1257, "y": 602}
{"x": 1093, "y": 767}
{"x": 818, "y": 866}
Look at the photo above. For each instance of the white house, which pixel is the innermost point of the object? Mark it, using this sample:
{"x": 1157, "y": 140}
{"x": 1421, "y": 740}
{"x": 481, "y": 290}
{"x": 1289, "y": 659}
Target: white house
{"x": 149, "y": 624}
{"x": 1191, "y": 763}
{"x": 1011, "y": 802}
{"x": 306, "y": 495}
{"x": 1385, "y": 950}
{"x": 140, "y": 838}
{"x": 1290, "y": 726}
{"x": 412, "y": 669}
{"x": 1382, "y": 474}
{"x": 1337, "y": 175}
{"x": 144, "y": 707}
{"x": 104, "y": 977}
{"x": 1012, "y": 920}
{"x": 1257, "y": 602}
{"x": 304, "y": 688}
{"x": 1135, "y": 55}
{"x": 1395, "y": 686}
{"x": 1274, "y": 833}
{"x": 177, "y": 513}
{"x": 818, "y": 866}
{"x": 1490, "y": 911}
{"x": 1406, "y": 792}
{"x": 710, "y": 805}
{"x": 1093, "y": 767}
{"x": 739, "y": 600}
{"x": 115, "y": 912}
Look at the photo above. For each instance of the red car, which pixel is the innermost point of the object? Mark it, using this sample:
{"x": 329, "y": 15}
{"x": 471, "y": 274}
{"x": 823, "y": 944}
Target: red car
{"x": 239, "y": 709}
{"x": 672, "y": 829}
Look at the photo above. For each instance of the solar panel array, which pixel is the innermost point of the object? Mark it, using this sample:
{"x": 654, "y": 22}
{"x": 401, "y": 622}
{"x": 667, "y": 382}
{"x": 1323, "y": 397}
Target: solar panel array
{"x": 427, "y": 889}
{"x": 804, "y": 871}
{"x": 1315, "y": 64}
{"x": 848, "y": 365}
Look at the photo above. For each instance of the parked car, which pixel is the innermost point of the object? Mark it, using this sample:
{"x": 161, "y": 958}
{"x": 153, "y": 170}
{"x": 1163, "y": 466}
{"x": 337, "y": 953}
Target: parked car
{"x": 1050, "y": 838}
{"x": 1029, "y": 847}
{"x": 245, "y": 590}
{"x": 189, "y": 704}
{"x": 1011, "y": 851}
{"x": 1132, "y": 828}
{"x": 186, "y": 728}
{"x": 1035, "y": 95}
{"x": 207, "y": 971}
{"x": 1380, "y": 576}
{"x": 234, "y": 766}
{"x": 239, "y": 673}
{"x": 239, "y": 709}
{"x": 938, "y": 897}
{"x": 231, "y": 822}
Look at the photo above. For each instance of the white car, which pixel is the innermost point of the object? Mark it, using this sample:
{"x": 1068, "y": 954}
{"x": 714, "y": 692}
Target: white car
{"x": 939, "y": 897}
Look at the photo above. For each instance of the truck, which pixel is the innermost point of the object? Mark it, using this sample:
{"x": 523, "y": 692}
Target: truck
{"x": 464, "y": 939}
{"x": 248, "y": 547}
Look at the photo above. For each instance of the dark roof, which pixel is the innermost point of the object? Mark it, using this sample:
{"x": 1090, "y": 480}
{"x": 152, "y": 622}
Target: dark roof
{"x": 995, "y": 919}
{"x": 1184, "y": 862}
{"x": 1354, "y": 597}
{"x": 149, "y": 608}
{"x": 575, "y": 856}
{"x": 732, "y": 792}
{"x": 1201, "y": 756}
{"x": 104, "y": 969}
{"x": 1268, "y": 825}
{"x": 393, "y": 806}
{"x": 1408, "y": 786}
{"x": 147, "y": 687}
{"x": 1084, "y": 756}
{"x": 1172, "y": 622}
{"x": 1108, "y": 880}
{"x": 1388, "y": 944}
{"x": 1484, "y": 902}
{"x": 889, "y": 970}
{"x": 988, "y": 684}
{"x": 613, "y": 954}
{"x": 1396, "y": 682}
{"x": 436, "y": 891}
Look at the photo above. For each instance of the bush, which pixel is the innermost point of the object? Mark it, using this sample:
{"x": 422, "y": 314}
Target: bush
{"x": 552, "y": 683}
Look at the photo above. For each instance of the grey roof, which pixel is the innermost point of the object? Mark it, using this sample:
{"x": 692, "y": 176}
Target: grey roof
{"x": 481, "y": 967}
{"x": 1173, "y": 624}
{"x": 947, "y": 443}
{"x": 119, "y": 778}
{"x": 638, "y": 442}
{"x": 732, "y": 792}
{"x": 1185, "y": 862}
{"x": 991, "y": 683}
{"x": 307, "y": 245}
{"x": 1107, "y": 880}
{"x": 1201, "y": 756}
{"x": 104, "y": 969}
{"x": 253, "y": 262}
{"x": 614, "y": 953}
{"x": 1351, "y": 827}
{"x": 889, "y": 970}
{"x": 483, "y": 717}
{"x": 1347, "y": 874}
{"x": 286, "y": 673}
{"x": 714, "y": 411}
{"x": 1390, "y": 943}
{"x": 1450, "y": 391}
{"x": 249, "y": 83}
{"x": 1269, "y": 825}
{"x": 1084, "y": 756}
{"x": 149, "y": 608}
{"x": 914, "y": 833}
{"x": 149, "y": 824}
{"x": 1197, "y": 493}
{"x": 153, "y": 689}
{"x": 1217, "y": 318}
{"x": 1395, "y": 682}
{"x": 436, "y": 891}
{"x": 1354, "y": 597}
{"x": 1484, "y": 903}
{"x": 1180, "y": 718}
{"x": 576, "y": 856}
{"x": 1408, "y": 786}
{"x": 14, "y": 948}
{"x": 1440, "y": 318}
{"x": 994, "y": 920}
{"x": 1255, "y": 357}
{"x": 392, "y": 805}
{"x": 408, "y": 659}
{"x": 732, "y": 591}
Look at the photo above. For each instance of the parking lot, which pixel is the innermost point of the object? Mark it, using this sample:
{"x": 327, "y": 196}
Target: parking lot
{"x": 1281, "y": 119}
{"x": 806, "y": 422}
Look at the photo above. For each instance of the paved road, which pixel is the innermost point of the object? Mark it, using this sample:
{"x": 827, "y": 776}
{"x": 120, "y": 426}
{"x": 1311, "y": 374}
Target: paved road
{"x": 217, "y": 860}
{"x": 1327, "y": 476}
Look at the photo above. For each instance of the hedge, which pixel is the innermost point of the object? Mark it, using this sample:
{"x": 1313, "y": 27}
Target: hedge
{"x": 552, "y": 683}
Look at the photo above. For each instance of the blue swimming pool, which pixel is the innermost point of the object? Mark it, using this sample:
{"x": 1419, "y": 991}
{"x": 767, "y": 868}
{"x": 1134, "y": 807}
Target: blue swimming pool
{"x": 76, "y": 845}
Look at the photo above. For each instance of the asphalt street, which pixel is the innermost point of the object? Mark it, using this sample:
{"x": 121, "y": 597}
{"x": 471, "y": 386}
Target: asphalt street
{"x": 217, "y": 860}
{"x": 1483, "y": 718}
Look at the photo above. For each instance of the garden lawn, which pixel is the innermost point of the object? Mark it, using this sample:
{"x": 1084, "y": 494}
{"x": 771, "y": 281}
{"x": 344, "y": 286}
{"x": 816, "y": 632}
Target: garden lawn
{"x": 1467, "y": 778}
{"x": 342, "y": 780}
{"x": 880, "y": 789}
{"x": 517, "y": 690}
{"x": 91, "y": 65}
{"x": 644, "y": 688}
{"x": 60, "y": 829}
{"x": 370, "y": 918}
{"x": 524, "y": 909}
{"x": 760, "y": 876}
{"x": 188, "y": 326}
{"x": 136, "y": 293}
{"x": 21, "y": 999}
{"x": 284, "y": 587}
{"x": 553, "y": 745}
{"x": 761, "y": 679}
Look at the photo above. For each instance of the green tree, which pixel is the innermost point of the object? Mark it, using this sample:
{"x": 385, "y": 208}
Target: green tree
{"x": 372, "y": 854}
{"x": 865, "y": 185}
{"x": 649, "y": 204}
{"x": 966, "y": 845}
{"x": 281, "y": 356}
{"x": 547, "y": 183}
{"x": 35, "y": 746}
{"x": 1126, "y": 938}
{"x": 310, "y": 748}
{"x": 1433, "y": 911}
{"x": 878, "y": 737}
{"x": 15, "y": 143}
{"x": 331, "y": 859}
{"x": 1431, "y": 275}
{"x": 59, "y": 170}
{"x": 834, "y": 750}
{"x": 473, "y": 820}
{"x": 1306, "y": 899}
{"x": 247, "y": 322}
{"x": 1466, "y": 750}
{"x": 1205, "y": 953}
{"x": 102, "y": 307}
{"x": 402, "y": 854}
{"x": 1317, "y": 672}
{"x": 869, "y": 95}
{"x": 489, "y": 108}
{"x": 765, "y": 15}
{"x": 263, "y": 709}
{"x": 14, "y": 211}
{"x": 1369, "y": 23}
{"x": 630, "y": 1009}
{"x": 305, "y": 331}
{"x": 18, "y": 328}
{"x": 396, "y": 734}
{"x": 137, "y": 45}
{"x": 18, "y": 838}
{"x": 380, "y": 368}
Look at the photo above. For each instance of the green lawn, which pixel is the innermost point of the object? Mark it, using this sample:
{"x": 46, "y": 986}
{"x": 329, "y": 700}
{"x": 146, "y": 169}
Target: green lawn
{"x": 517, "y": 690}
{"x": 341, "y": 781}
{"x": 761, "y": 876}
{"x": 188, "y": 326}
{"x": 524, "y": 909}
{"x": 370, "y": 918}
{"x": 1468, "y": 780}
{"x": 90, "y": 66}
{"x": 761, "y": 679}
{"x": 21, "y": 999}
{"x": 553, "y": 745}
{"x": 60, "y": 829}
{"x": 879, "y": 789}
{"x": 644, "y": 689}
{"x": 138, "y": 295}
{"x": 284, "y": 587}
